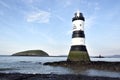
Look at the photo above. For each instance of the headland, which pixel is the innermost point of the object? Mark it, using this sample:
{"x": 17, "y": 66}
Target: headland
{"x": 31, "y": 53}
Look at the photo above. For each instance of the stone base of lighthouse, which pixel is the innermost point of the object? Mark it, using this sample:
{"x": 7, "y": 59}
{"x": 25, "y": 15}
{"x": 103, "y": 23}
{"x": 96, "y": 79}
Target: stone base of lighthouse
{"x": 78, "y": 53}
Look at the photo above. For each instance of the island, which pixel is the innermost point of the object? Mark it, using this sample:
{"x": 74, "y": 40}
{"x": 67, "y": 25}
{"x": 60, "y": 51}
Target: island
{"x": 31, "y": 53}
{"x": 99, "y": 56}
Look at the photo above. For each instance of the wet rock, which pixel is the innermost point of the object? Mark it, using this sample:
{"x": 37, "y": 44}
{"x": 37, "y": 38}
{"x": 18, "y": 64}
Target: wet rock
{"x": 15, "y": 76}
{"x": 112, "y": 66}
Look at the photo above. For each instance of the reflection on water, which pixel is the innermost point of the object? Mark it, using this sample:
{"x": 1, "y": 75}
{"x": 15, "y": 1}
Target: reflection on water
{"x": 33, "y": 65}
{"x": 93, "y": 72}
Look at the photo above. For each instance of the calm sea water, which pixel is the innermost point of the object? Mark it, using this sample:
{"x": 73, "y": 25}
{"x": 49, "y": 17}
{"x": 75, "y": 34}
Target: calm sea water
{"x": 34, "y": 65}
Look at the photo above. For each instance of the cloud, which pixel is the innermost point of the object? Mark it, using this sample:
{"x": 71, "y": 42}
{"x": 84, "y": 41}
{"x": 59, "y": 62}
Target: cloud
{"x": 1, "y": 13}
{"x": 96, "y": 7}
{"x": 90, "y": 21}
{"x": 30, "y": 1}
{"x": 65, "y": 3}
{"x": 69, "y": 32}
{"x": 39, "y": 16}
{"x": 4, "y": 4}
{"x": 60, "y": 18}
{"x": 68, "y": 3}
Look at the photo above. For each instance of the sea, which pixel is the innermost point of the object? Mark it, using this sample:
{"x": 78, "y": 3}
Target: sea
{"x": 34, "y": 65}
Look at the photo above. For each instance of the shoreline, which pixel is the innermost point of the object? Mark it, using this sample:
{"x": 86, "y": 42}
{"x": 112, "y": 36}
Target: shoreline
{"x": 18, "y": 76}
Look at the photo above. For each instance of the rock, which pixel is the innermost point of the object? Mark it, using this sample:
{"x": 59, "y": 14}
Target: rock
{"x": 31, "y": 53}
{"x": 18, "y": 76}
{"x": 99, "y": 65}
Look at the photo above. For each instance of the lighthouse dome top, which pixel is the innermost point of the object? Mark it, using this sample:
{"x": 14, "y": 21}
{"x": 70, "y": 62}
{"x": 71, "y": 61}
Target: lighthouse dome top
{"x": 78, "y": 16}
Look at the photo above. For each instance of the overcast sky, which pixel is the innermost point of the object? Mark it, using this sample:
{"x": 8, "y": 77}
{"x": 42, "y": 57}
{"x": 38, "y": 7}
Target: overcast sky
{"x": 47, "y": 25}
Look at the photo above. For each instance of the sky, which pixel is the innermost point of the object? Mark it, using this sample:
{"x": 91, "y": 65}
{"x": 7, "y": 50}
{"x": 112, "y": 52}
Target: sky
{"x": 47, "y": 25}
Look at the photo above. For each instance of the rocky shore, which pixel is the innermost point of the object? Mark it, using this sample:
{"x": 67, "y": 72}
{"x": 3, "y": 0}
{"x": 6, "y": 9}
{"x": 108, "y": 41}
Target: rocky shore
{"x": 110, "y": 66}
{"x": 17, "y": 76}
{"x": 100, "y": 65}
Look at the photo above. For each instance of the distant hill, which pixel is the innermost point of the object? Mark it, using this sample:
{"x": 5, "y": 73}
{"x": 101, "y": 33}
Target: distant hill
{"x": 113, "y": 56}
{"x": 31, "y": 53}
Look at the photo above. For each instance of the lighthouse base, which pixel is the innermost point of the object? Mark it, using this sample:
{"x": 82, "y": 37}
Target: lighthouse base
{"x": 78, "y": 53}
{"x": 78, "y": 56}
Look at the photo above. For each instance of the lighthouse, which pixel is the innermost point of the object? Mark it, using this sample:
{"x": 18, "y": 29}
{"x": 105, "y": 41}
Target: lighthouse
{"x": 78, "y": 50}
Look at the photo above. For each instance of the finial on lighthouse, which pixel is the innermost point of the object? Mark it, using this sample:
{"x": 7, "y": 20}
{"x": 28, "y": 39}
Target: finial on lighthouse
{"x": 78, "y": 13}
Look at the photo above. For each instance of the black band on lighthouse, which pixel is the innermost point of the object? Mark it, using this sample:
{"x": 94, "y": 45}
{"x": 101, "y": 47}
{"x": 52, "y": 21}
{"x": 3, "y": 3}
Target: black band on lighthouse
{"x": 78, "y": 48}
{"x": 78, "y": 18}
{"x": 78, "y": 34}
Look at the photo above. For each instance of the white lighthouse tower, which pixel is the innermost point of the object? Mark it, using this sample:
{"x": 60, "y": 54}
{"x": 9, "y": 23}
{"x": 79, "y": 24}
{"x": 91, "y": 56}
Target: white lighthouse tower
{"x": 78, "y": 51}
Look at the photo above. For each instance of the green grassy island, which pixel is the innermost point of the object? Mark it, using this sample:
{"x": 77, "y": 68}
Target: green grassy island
{"x": 31, "y": 53}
